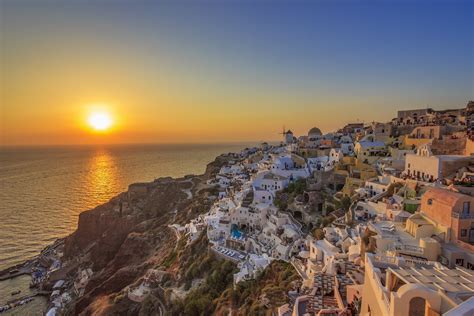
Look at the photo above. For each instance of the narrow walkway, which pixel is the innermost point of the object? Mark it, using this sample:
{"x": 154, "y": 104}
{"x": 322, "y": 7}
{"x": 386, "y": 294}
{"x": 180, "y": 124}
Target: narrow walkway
{"x": 188, "y": 191}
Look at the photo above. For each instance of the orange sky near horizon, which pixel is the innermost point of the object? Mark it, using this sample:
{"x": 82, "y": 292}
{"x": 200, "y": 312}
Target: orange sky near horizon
{"x": 42, "y": 110}
{"x": 41, "y": 116}
{"x": 219, "y": 73}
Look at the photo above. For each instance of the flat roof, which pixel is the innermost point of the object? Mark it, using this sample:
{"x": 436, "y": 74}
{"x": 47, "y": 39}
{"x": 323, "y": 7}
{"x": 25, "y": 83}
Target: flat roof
{"x": 457, "y": 280}
{"x": 420, "y": 221}
{"x": 397, "y": 232}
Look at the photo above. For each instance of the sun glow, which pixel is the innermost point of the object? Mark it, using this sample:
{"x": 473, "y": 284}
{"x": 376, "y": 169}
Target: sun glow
{"x": 100, "y": 121}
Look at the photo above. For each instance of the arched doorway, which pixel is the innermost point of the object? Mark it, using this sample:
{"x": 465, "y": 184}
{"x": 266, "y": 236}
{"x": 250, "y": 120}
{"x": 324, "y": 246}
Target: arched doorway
{"x": 417, "y": 307}
{"x": 297, "y": 215}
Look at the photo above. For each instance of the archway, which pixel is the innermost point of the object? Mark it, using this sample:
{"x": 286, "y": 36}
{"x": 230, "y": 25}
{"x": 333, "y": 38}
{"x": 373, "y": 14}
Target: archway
{"x": 417, "y": 307}
{"x": 306, "y": 197}
{"x": 298, "y": 215}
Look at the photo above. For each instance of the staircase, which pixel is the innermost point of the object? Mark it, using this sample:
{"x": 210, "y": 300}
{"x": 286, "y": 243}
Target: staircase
{"x": 248, "y": 199}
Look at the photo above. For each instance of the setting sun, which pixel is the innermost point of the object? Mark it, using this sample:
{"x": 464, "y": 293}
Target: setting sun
{"x": 100, "y": 121}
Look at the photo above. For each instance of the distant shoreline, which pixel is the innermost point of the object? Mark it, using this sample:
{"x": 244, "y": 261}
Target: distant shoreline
{"x": 30, "y": 146}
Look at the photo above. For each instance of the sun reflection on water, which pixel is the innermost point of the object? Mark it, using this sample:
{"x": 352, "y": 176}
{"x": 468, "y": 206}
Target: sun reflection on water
{"x": 103, "y": 176}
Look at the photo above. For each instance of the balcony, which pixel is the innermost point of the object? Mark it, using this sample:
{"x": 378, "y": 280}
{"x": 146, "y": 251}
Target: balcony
{"x": 462, "y": 215}
{"x": 410, "y": 249}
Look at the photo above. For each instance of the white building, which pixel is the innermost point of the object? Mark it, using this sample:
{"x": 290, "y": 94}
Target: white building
{"x": 325, "y": 163}
{"x": 367, "y": 150}
{"x": 424, "y": 166}
{"x": 379, "y": 185}
{"x": 270, "y": 181}
{"x": 288, "y": 137}
{"x": 250, "y": 268}
{"x": 223, "y": 181}
{"x": 290, "y": 166}
{"x": 395, "y": 286}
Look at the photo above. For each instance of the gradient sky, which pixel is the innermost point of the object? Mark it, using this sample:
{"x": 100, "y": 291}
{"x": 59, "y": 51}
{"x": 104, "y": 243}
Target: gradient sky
{"x": 225, "y": 70}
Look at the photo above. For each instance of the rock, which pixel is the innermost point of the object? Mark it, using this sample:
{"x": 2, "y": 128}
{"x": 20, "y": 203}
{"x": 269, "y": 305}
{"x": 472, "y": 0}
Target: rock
{"x": 121, "y": 247}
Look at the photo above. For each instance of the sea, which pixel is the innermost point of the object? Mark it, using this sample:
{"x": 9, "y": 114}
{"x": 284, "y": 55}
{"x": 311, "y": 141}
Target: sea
{"x": 44, "y": 189}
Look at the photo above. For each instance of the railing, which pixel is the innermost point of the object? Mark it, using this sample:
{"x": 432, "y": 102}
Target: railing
{"x": 299, "y": 268}
{"x": 462, "y": 215}
{"x": 410, "y": 248}
{"x": 295, "y": 222}
{"x": 417, "y": 262}
{"x": 385, "y": 259}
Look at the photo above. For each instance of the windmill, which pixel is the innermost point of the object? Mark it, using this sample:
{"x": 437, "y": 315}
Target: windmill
{"x": 286, "y": 134}
{"x": 283, "y": 131}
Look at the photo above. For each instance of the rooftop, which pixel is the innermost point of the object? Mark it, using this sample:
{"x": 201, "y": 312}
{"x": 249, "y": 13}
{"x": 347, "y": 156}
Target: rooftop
{"x": 444, "y": 196}
{"x": 458, "y": 280}
{"x": 272, "y": 176}
{"x": 371, "y": 144}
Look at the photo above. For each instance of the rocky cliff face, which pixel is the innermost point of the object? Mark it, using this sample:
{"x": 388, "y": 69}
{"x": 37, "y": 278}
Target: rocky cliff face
{"x": 100, "y": 230}
{"x": 123, "y": 238}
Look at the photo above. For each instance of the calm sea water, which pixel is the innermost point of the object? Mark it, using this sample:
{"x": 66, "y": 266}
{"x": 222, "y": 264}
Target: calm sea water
{"x": 42, "y": 190}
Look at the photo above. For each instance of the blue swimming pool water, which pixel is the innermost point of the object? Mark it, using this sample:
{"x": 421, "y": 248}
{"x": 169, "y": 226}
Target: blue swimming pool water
{"x": 235, "y": 232}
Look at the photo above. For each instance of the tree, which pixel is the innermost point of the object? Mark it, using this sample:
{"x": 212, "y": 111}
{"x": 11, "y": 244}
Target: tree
{"x": 326, "y": 221}
{"x": 298, "y": 186}
{"x": 281, "y": 201}
{"x": 344, "y": 203}
{"x": 318, "y": 233}
{"x": 329, "y": 209}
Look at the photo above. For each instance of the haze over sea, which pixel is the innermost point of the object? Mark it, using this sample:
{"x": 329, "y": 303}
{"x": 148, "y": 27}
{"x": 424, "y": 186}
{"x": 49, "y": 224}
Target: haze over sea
{"x": 43, "y": 189}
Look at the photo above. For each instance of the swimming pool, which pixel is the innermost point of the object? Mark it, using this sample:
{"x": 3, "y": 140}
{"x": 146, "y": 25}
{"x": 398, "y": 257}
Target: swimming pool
{"x": 235, "y": 232}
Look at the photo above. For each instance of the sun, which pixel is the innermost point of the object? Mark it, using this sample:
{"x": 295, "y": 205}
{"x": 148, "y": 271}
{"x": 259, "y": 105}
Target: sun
{"x": 100, "y": 121}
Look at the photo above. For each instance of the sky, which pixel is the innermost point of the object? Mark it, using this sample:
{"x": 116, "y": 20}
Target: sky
{"x": 225, "y": 71}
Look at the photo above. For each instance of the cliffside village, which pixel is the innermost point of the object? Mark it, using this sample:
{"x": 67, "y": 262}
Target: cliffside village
{"x": 377, "y": 219}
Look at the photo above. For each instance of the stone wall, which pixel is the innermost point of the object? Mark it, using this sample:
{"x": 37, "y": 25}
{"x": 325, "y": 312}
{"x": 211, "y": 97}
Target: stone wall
{"x": 449, "y": 146}
{"x": 469, "y": 149}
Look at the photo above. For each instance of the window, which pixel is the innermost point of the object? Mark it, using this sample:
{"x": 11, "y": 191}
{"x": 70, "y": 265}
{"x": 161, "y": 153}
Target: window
{"x": 463, "y": 232}
{"x": 459, "y": 262}
{"x": 466, "y": 207}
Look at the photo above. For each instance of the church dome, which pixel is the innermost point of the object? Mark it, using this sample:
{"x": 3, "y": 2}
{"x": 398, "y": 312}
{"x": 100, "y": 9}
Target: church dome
{"x": 314, "y": 132}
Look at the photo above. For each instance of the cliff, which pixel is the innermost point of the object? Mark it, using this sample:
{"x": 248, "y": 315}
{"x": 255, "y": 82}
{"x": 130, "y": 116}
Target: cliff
{"x": 129, "y": 235}
{"x": 123, "y": 238}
